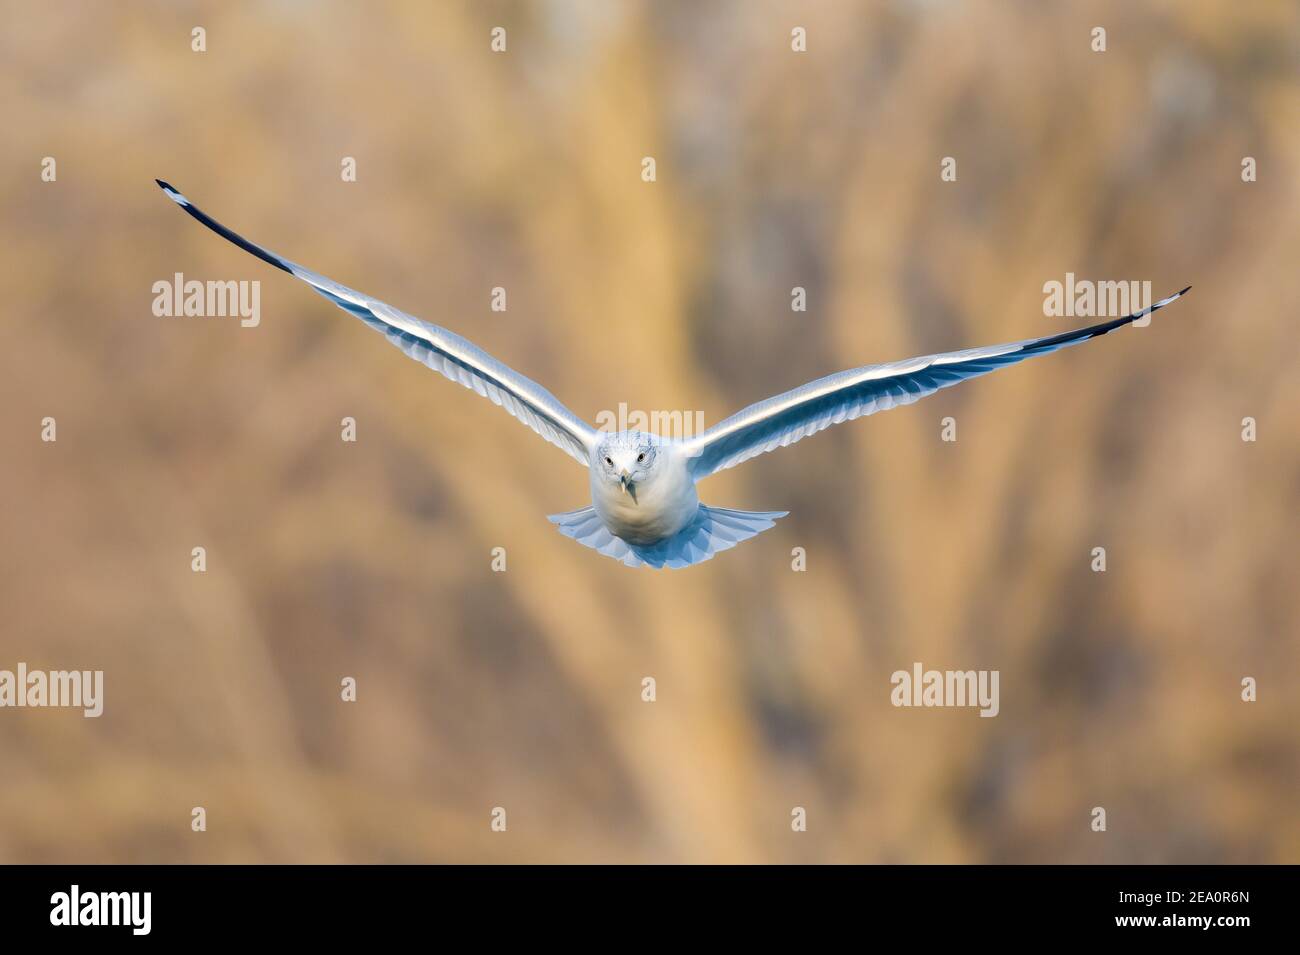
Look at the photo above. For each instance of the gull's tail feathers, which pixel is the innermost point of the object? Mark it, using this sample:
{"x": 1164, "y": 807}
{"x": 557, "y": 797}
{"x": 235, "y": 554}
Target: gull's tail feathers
{"x": 714, "y": 529}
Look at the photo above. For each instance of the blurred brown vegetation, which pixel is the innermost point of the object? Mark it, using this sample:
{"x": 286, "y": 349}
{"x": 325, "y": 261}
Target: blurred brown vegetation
{"x": 522, "y": 689}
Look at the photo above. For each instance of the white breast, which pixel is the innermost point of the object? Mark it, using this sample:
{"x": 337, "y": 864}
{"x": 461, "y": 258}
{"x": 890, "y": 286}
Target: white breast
{"x": 664, "y": 504}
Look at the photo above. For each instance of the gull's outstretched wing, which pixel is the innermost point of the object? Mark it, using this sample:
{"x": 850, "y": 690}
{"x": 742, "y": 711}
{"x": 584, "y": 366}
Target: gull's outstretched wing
{"x": 786, "y": 418}
{"x": 443, "y": 351}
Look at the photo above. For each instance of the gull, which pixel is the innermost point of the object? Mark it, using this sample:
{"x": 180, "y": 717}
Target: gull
{"x": 645, "y": 510}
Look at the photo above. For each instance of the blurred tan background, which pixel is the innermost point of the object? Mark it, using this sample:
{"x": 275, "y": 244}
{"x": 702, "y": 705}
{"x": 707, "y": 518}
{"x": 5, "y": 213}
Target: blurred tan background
{"x": 522, "y": 689}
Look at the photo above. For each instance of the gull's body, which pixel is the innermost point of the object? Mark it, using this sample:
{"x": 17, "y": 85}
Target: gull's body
{"x": 645, "y": 510}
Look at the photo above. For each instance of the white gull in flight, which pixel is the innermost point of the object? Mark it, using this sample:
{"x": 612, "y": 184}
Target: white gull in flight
{"x": 644, "y": 507}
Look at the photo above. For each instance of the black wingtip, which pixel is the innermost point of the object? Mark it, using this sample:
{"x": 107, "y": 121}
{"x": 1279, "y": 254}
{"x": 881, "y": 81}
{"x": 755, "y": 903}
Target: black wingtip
{"x": 1185, "y": 291}
{"x": 266, "y": 256}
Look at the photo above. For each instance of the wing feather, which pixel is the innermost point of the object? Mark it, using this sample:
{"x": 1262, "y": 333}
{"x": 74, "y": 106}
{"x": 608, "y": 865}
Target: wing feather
{"x": 453, "y": 357}
{"x": 790, "y": 417}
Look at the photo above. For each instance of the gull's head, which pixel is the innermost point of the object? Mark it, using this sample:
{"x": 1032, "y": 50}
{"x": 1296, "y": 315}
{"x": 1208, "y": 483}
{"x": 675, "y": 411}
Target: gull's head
{"x": 628, "y": 460}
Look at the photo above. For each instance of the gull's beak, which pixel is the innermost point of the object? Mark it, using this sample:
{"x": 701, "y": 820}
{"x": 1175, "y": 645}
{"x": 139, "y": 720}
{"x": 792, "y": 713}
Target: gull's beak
{"x": 622, "y": 480}
{"x": 626, "y": 483}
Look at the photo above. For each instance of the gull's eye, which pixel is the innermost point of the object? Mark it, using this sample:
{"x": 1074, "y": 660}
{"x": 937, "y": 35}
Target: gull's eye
{"x": 610, "y": 462}
{"x": 640, "y": 457}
